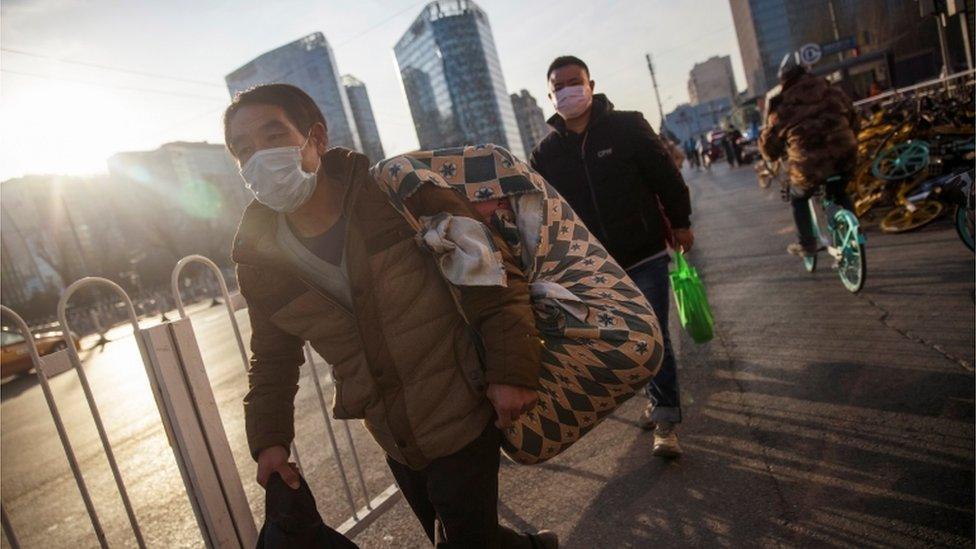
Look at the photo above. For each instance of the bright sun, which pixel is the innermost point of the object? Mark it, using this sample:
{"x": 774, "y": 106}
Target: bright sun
{"x": 59, "y": 127}
{"x": 56, "y": 126}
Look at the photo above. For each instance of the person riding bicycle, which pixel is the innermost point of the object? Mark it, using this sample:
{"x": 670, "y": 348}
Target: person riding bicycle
{"x": 815, "y": 125}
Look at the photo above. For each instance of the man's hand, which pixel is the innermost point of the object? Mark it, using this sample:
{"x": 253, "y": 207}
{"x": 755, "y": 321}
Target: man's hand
{"x": 274, "y": 459}
{"x": 510, "y": 402}
{"x": 685, "y": 239}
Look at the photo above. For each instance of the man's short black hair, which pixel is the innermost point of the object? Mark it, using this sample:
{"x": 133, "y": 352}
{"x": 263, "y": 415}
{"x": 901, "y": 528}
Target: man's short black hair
{"x": 299, "y": 107}
{"x": 565, "y": 61}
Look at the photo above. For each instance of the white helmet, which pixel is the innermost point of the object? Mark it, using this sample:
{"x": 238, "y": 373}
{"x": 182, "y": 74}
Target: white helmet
{"x": 790, "y": 67}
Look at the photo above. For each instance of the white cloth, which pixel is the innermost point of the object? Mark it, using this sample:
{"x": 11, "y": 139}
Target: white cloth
{"x": 464, "y": 249}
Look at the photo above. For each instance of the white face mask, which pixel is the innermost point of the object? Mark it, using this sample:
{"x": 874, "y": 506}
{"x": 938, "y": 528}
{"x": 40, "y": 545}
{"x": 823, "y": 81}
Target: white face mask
{"x": 277, "y": 180}
{"x": 572, "y": 101}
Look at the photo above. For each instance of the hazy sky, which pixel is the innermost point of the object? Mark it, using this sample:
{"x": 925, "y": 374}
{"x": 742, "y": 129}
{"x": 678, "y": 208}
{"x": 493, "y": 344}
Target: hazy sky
{"x": 59, "y": 117}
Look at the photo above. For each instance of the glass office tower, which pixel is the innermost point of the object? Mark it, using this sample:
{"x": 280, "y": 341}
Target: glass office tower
{"x": 309, "y": 64}
{"x": 362, "y": 113}
{"x": 453, "y": 80}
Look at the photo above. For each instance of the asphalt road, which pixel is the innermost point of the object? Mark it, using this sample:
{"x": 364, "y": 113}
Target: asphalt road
{"x": 814, "y": 418}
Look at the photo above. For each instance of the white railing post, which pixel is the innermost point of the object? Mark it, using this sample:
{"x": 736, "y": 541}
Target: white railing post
{"x": 86, "y": 388}
{"x": 232, "y": 302}
{"x": 58, "y": 423}
{"x": 228, "y": 302}
{"x": 331, "y": 434}
{"x": 198, "y": 438}
{"x": 374, "y": 507}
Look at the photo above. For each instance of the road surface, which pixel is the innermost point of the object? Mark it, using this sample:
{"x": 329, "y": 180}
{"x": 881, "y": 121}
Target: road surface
{"x": 814, "y": 417}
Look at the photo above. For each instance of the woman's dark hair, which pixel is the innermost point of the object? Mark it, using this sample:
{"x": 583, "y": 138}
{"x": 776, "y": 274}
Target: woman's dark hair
{"x": 565, "y": 61}
{"x": 300, "y": 109}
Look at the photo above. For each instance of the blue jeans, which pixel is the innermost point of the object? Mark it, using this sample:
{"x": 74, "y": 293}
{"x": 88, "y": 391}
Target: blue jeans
{"x": 662, "y": 391}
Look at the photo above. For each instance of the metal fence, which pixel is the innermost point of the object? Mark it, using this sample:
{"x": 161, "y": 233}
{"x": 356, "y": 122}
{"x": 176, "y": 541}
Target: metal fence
{"x": 184, "y": 397}
{"x": 948, "y": 83}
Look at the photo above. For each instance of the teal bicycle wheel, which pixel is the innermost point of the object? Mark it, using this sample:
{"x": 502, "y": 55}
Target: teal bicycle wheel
{"x": 901, "y": 161}
{"x": 853, "y": 264}
{"x": 964, "y": 226}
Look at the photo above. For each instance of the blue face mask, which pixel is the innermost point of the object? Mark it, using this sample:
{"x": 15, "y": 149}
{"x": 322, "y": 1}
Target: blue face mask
{"x": 277, "y": 180}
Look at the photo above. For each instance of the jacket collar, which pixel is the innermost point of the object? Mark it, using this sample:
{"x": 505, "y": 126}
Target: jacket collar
{"x": 601, "y": 106}
{"x": 256, "y": 240}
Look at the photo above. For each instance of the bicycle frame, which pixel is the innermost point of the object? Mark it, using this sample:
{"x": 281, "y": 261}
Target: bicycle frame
{"x": 831, "y": 209}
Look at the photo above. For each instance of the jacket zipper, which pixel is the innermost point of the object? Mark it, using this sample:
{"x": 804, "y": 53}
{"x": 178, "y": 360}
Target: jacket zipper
{"x": 589, "y": 186}
{"x": 327, "y": 297}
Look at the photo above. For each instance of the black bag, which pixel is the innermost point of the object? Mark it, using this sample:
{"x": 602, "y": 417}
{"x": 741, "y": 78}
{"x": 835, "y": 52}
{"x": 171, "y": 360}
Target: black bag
{"x": 292, "y": 521}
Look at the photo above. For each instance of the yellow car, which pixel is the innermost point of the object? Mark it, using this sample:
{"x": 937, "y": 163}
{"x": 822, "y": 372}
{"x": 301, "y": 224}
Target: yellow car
{"x": 14, "y": 356}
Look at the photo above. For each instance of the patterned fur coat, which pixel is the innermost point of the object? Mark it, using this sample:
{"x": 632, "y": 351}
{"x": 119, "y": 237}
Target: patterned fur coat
{"x": 815, "y": 125}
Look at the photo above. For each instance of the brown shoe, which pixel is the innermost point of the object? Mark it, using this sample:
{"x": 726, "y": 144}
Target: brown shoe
{"x": 802, "y": 250}
{"x": 545, "y": 539}
{"x": 666, "y": 441}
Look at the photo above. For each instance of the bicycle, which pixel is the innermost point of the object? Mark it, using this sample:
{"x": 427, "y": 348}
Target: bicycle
{"x": 843, "y": 239}
{"x": 964, "y": 216}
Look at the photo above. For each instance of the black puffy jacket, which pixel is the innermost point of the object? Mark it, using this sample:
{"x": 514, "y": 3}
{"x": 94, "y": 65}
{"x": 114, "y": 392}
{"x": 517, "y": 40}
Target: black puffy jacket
{"x": 613, "y": 176}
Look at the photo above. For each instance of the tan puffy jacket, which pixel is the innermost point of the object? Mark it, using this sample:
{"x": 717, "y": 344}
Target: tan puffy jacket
{"x": 404, "y": 359}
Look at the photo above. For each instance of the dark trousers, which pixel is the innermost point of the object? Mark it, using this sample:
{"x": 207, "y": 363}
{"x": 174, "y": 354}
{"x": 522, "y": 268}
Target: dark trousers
{"x": 652, "y": 279}
{"x": 456, "y": 497}
{"x": 730, "y": 154}
{"x": 799, "y": 200}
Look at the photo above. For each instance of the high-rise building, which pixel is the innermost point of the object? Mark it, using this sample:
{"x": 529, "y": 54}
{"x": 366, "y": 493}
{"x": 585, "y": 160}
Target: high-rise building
{"x": 769, "y": 29}
{"x": 55, "y": 230}
{"x": 531, "y": 122}
{"x": 711, "y": 80}
{"x": 309, "y": 64}
{"x": 201, "y": 178}
{"x": 453, "y": 79}
{"x": 182, "y": 198}
{"x": 362, "y": 114}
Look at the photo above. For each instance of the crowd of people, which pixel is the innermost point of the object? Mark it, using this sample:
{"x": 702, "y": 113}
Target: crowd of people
{"x": 702, "y": 151}
{"x": 438, "y": 347}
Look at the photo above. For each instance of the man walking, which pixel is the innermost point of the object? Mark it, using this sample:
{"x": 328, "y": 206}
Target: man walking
{"x": 728, "y": 147}
{"x": 691, "y": 154}
{"x": 620, "y": 179}
{"x": 322, "y": 256}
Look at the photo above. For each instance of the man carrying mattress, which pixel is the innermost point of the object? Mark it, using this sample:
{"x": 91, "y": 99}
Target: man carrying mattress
{"x": 322, "y": 256}
{"x": 619, "y": 178}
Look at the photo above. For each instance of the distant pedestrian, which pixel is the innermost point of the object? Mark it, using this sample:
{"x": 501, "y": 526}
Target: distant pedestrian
{"x": 677, "y": 155}
{"x": 691, "y": 154}
{"x": 734, "y": 136}
{"x": 875, "y": 88}
{"x": 629, "y": 192}
{"x": 704, "y": 152}
{"x": 728, "y": 149}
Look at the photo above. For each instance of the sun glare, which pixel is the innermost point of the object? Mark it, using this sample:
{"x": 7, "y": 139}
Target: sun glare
{"x": 50, "y": 126}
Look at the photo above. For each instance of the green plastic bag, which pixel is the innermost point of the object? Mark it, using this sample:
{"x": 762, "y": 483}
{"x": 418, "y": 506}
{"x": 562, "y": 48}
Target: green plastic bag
{"x": 689, "y": 295}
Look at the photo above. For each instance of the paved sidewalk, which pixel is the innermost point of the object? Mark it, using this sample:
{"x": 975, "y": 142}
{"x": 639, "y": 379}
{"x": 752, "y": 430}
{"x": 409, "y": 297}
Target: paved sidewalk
{"x": 815, "y": 417}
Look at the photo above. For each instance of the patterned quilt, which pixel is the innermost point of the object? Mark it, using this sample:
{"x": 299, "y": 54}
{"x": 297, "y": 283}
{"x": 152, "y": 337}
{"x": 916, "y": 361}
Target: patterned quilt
{"x": 602, "y": 340}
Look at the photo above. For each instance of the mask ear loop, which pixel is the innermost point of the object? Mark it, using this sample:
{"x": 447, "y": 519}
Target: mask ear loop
{"x": 307, "y": 139}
